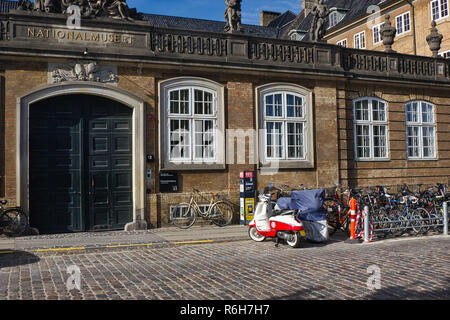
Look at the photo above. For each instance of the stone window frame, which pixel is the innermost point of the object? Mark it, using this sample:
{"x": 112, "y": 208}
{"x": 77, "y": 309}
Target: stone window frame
{"x": 165, "y": 87}
{"x": 371, "y": 123}
{"x": 402, "y": 16}
{"x": 421, "y": 124}
{"x": 306, "y": 94}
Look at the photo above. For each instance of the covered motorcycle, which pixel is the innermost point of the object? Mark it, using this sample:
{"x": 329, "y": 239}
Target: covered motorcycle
{"x": 310, "y": 211}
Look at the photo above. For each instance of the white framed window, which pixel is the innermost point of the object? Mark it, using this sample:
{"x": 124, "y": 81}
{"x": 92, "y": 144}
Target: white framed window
{"x": 403, "y": 23}
{"x": 376, "y": 35}
{"x": 439, "y": 9}
{"x": 420, "y": 130}
{"x": 445, "y": 54}
{"x": 285, "y": 126}
{"x": 192, "y": 121}
{"x": 342, "y": 43}
{"x": 360, "y": 40}
{"x": 191, "y": 124}
{"x": 333, "y": 19}
{"x": 371, "y": 129}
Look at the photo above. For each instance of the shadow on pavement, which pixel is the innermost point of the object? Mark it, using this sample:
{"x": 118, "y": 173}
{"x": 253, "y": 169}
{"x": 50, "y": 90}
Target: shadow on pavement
{"x": 16, "y": 258}
{"x": 389, "y": 293}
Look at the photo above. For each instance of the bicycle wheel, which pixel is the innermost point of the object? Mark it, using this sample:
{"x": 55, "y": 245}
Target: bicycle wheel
{"x": 14, "y": 221}
{"x": 221, "y": 213}
{"x": 332, "y": 210}
{"x": 425, "y": 216}
{"x": 183, "y": 215}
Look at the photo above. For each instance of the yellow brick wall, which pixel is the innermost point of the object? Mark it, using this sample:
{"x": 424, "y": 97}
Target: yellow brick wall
{"x": 404, "y": 43}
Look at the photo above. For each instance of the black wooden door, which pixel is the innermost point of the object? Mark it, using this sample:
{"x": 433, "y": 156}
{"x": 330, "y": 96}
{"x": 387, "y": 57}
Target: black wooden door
{"x": 80, "y": 164}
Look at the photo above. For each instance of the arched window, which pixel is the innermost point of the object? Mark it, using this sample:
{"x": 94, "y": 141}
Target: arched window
{"x": 371, "y": 129}
{"x": 420, "y": 130}
{"x": 285, "y": 118}
{"x": 191, "y": 118}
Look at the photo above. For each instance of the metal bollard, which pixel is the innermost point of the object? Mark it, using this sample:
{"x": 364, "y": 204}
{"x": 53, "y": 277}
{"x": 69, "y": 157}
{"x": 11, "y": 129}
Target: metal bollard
{"x": 366, "y": 224}
{"x": 445, "y": 215}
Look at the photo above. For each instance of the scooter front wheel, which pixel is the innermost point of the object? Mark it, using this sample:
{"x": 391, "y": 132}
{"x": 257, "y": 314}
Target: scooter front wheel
{"x": 255, "y": 235}
{"x": 294, "y": 240}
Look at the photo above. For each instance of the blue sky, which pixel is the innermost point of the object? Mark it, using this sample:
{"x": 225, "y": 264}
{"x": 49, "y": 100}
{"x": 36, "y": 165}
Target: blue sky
{"x": 213, "y": 9}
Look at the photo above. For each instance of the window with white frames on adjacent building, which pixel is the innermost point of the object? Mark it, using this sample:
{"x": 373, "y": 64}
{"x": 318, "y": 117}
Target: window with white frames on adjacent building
{"x": 439, "y": 9}
{"x": 371, "y": 129}
{"x": 403, "y": 23}
{"x": 420, "y": 130}
{"x": 342, "y": 43}
{"x": 360, "y": 40}
{"x": 445, "y": 54}
{"x": 286, "y": 122}
{"x": 376, "y": 33}
{"x": 190, "y": 118}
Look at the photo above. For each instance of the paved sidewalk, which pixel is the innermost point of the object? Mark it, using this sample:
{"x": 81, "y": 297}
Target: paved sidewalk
{"x": 117, "y": 239}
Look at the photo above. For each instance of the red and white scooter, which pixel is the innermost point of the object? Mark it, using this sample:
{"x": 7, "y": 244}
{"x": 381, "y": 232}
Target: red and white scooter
{"x": 283, "y": 226}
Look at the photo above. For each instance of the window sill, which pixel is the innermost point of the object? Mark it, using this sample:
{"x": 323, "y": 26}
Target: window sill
{"x": 373, "y": 160}
{"x": 422, "y": 159}
{"x": 284, "y": 164}
{"x": 203, "y": 166}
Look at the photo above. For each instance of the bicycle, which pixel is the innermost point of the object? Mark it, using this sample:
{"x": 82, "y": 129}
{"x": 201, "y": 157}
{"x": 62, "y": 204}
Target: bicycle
{"x": 13, "y": 221}
{"x": 220, "y": 212}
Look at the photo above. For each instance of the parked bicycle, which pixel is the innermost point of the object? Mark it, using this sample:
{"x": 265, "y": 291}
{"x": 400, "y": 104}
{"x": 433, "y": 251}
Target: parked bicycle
{"x": 13, "y": 221}
{"x": 219, "y": 211}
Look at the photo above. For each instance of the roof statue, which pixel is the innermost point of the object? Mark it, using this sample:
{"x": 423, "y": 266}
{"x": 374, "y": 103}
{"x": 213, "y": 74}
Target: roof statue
{"x": 320, "y": 14}
{"x": 116, "y": 9}
{"x": 233, "y": 16}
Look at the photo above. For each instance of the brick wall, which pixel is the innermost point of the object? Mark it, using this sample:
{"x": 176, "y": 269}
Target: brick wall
{"x": 404, "y": 43}
{"x": 333, "y": 131}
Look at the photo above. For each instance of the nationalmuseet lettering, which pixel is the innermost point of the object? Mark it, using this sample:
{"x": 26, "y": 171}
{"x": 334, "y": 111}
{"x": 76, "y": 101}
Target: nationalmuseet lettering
{"x": 77, "y": 35}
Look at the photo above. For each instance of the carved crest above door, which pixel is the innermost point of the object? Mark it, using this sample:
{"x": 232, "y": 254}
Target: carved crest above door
{"x": 82, "y": 71}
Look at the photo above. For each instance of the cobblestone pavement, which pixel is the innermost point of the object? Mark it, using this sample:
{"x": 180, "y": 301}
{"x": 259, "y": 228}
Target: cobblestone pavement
{"x": 416, "y": 268}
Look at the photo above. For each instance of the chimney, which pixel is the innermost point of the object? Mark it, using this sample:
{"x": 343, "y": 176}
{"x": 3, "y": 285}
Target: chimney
{"x": 265, "y": 17}
{"x": 307, "y": 5}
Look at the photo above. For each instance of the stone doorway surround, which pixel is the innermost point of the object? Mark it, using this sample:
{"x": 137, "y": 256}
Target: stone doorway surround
{"x": 24, "y": 103}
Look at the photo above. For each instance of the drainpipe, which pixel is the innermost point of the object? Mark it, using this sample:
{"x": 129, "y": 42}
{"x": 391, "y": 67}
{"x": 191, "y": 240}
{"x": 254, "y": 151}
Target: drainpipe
{"x": 413, "y": 24}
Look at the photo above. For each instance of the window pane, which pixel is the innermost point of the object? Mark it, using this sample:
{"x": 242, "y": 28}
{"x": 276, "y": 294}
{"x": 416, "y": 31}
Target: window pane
{"x": 179, "y": 139}
{"x": 204, "y": 137}
{"x": 428, "y": 142}
{"x": 274, "y": 140}
{"x": 427, "y": 113}
{"x": 269, "y": 106}
{"x": 278, "y": 105}
{"x": 378, "y": 111}
{"x": 363, "y": 141}
{"x": 379, "y": 141}
{"x": 412, "y": 112}
{"x": 362, "y": 110}
{"x": 295, "y": 140}
{"x": 294, "y": 106}
{"x": 413, "y": 141}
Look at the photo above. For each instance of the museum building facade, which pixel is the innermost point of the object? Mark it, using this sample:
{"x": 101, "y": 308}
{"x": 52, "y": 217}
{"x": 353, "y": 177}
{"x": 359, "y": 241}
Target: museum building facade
{"x": 96, "y": 118}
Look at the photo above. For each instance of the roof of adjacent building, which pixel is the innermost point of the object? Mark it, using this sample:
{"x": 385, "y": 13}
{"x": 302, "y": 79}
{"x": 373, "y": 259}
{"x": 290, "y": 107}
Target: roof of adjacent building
{"x": 353, "y": 8}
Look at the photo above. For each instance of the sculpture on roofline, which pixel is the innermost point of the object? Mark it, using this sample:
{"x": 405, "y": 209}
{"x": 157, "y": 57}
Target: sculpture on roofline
{"x": 320, "y": 14}
{"x": 233, "y": 16}
{"x": 116, "y": 9}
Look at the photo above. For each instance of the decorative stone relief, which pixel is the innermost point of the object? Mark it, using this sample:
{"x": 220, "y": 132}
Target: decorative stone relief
{"x": 82, "y": 71}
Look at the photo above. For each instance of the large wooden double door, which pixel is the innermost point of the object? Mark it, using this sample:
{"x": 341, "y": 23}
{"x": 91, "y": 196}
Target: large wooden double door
{"x": 80, "y": 164}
